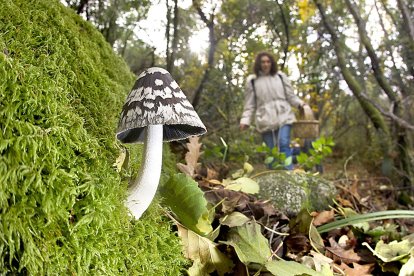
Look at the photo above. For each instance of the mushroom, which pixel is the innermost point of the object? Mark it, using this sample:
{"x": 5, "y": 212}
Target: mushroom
{"x": 155, "y": 110}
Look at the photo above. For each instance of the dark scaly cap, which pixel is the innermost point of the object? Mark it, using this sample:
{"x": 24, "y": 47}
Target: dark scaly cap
{"x": 156, "y": 99}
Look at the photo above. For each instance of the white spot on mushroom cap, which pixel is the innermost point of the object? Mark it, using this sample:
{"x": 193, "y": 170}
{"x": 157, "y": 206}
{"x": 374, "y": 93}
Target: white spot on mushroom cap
{"x": 149, "y": 104}
{"x": 174, "y": 85}
{"x": 158, "y": 82}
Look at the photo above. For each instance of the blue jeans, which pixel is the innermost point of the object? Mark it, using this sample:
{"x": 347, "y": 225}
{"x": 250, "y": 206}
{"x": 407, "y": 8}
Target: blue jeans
{"x": 280, "y": 138}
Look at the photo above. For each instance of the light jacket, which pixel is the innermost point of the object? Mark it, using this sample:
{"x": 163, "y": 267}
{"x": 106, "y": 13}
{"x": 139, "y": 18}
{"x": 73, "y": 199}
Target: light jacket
{"x": 273, "y": 107}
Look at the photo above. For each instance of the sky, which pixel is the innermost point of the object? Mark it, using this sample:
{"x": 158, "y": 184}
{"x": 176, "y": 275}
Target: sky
{"x": 152, "y": 30}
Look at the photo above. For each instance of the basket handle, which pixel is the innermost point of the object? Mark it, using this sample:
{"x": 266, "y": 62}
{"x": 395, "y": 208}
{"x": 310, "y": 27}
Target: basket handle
{"x": 306, "y": 113}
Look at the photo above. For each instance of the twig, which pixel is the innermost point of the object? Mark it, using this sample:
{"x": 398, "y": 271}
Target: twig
{"x": 275, "y": 232}
{"x": 346, "y": 163}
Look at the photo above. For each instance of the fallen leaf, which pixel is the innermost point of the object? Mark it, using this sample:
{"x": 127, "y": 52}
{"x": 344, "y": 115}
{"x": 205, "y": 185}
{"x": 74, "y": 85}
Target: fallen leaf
{"x": 394, "y": 251}
{"x": 408, "y": 268}
{"x": 186, "y": 169}
{"x": 212, "y": 174}
{"x": 316, "y": 240}
{"x": 191, "y": 157}
{"x": 248, "y": 168}
{"x": 233, "y": 199}
{"x": 183, "y": 196}
{"x": 344, "y": 202}
{"x": 357, "y": 270}
{"x": 244, "y": 184}
{"x": 207, "y": 258}
{"x": 320, "y": 260}
{"x": 249, "y": 243}
{"x": 214, "y": 182}
{"x": 338, "y": 253}
{"x": 234, "y": 219}
{"x": 323, "y": 217}
{"x": 290, "y": 268}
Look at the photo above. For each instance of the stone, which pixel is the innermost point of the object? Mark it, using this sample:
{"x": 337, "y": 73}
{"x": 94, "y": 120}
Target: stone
{"x": 292, "y": 191}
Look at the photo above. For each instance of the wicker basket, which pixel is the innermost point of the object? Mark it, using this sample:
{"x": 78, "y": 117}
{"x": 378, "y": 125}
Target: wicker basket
{"x": 306, "y": 127}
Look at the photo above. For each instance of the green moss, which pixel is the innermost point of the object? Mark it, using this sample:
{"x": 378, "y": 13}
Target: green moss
{"x": 61, "y": 210}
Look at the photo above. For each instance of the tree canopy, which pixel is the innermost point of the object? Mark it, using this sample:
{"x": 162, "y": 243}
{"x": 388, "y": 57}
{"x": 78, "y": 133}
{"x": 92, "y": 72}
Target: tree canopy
{"x": 351, "y": 60}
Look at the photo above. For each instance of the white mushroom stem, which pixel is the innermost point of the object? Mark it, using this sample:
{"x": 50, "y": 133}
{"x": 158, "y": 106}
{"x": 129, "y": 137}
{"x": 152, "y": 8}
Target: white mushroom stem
{"x": 144, "y": 187}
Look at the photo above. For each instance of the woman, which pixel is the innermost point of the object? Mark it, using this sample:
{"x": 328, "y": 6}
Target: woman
{"x": 270, "y": 97}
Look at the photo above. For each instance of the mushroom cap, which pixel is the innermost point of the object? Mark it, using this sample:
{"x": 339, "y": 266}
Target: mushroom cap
{"x": 156, "y": 99}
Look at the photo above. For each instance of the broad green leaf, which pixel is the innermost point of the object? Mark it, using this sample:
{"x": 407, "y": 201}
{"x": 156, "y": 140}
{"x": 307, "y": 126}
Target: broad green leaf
{"x": 269, "y": 160}
{"x": 319, "y": 262}
{"x": 394, "y": 251}
{"x": 290, "y": 268}
{"x": 237, "y": 174}
{"x": 250, "y": 245}
{"x": 198, "y": 269}
{"x": 316, "y": 240}
{"x": 408, "y": 268}
{"x": 234, "y": 219}
{"x": 288, "y": 161}
{"x": 248, "y": 168}
{"x": 182, "y": 194}
{"x": 207, "y": 258}
{"x": 244, "y": 184}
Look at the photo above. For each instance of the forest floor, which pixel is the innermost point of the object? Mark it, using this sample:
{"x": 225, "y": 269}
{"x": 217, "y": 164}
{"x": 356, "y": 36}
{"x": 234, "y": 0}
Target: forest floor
{"x": 367, "y": 230}
{"x": 361, "y": 190}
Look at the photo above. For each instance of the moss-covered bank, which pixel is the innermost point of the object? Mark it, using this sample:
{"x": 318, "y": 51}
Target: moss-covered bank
{"x": 61, "y": 211}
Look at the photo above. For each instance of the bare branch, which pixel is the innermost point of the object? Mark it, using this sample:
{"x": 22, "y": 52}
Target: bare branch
{"x": 401, "y": 122}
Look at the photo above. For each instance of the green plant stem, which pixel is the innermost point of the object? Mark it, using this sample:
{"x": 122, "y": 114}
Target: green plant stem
{"x": 391, "y": 214}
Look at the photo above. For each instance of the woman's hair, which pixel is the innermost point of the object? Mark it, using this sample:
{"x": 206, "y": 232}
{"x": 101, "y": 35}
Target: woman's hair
{"x": 257, "y": 63}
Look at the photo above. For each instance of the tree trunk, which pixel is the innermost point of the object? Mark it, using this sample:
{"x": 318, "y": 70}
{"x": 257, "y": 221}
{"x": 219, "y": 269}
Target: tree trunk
{"x": 168, "y": 35}
{"x": 407, "y": 41}
{"x": 211, "y": 51}
{"x": 287, "y": 33}
{"x": 82, "y": 6}
{"x": 375, "y": 63}
{"x": 373, "y": 114}
{"x": 173, "y": 51}
{"x": 395, "y": 72}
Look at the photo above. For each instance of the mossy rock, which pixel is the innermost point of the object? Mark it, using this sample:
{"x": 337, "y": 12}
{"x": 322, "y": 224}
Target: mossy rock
{"x": 290, "y": 191}
{"x": 61, "y": 199}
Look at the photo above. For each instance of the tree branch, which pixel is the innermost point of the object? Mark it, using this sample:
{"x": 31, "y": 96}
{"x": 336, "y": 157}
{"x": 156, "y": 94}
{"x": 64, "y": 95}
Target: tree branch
{"x": 401, "y": 122}
{"x": 375, "y": 63}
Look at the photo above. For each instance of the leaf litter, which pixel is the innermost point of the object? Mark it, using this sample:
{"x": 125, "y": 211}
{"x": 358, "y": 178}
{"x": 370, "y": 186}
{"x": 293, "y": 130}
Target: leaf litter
{"x": 258, "y": 239}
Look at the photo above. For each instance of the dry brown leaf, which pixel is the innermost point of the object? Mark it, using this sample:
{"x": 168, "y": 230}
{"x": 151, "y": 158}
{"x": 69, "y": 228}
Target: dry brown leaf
{"x": 357, "y": 270}
{"x": 214, "y": 182}
{"x": 187, "y": 169}
{"x": 191, "y": 157}
{"x": 322, "y": 217}
{"x": 344, "y": 202}
{"x": 338, "y": 253}
{"x": 212, "y": 174}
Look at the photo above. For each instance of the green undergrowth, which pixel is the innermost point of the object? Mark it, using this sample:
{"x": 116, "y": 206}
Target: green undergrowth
{"x": 61, "y": 210}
